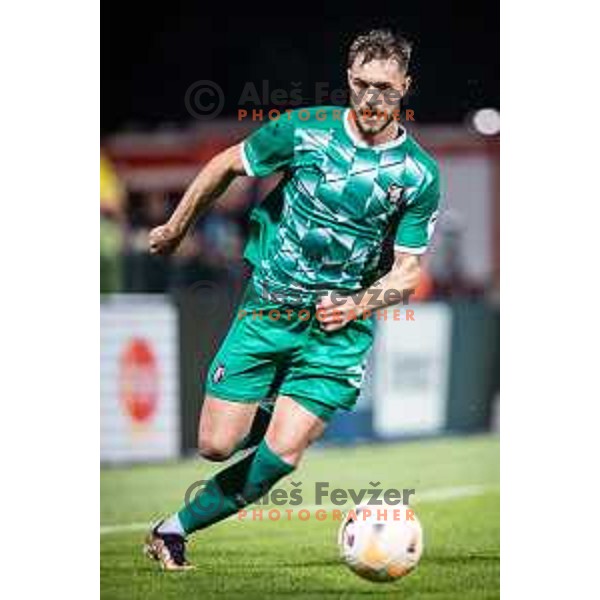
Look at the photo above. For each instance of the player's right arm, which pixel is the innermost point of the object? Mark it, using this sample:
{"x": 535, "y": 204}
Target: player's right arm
{"x": 267, "y": 150}
{"x": 208, "y": 185}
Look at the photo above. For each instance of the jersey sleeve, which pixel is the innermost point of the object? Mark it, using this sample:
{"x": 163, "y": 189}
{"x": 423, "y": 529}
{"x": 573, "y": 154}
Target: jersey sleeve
{"x": 418, "y": 221}
{"x": 269, "y": 149}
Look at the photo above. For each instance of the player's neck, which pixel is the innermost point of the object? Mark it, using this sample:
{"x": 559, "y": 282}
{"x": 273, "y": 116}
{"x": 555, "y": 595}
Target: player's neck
{"x": 390, "y": 132}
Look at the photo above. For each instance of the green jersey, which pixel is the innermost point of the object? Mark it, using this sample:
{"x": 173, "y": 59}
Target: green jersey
{"x": 339, "y": 208}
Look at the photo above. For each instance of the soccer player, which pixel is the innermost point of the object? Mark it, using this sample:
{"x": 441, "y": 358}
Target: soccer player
{"x": 353, "y": 180}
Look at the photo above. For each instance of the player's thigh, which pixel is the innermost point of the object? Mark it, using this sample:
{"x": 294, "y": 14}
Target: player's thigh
{"x": 292, "y": 429}
{"x": 222, "y": 425}
{"x": 247, "y": 362}
{"x": 241, "y": 375}
{"x": 237, "y": 383}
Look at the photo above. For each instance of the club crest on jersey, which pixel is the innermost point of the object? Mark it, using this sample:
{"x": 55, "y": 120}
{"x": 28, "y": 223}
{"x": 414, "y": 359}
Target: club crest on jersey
{"x": 218, "y": 374}
{"x": 395, "y": 194}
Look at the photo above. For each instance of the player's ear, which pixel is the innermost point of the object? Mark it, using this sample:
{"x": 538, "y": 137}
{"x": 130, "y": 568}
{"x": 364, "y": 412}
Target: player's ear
{"x": 406, "y": 84}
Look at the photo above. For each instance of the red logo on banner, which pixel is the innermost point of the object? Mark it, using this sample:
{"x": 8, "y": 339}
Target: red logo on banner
{"x": 139, "y": 380}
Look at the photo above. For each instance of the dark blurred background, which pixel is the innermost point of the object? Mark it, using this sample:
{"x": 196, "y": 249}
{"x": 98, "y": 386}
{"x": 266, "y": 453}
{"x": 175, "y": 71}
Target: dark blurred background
{"x": 151, "y": 53}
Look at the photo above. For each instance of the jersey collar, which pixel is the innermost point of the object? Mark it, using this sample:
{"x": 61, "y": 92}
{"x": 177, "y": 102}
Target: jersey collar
{"x": 358, "y": 142}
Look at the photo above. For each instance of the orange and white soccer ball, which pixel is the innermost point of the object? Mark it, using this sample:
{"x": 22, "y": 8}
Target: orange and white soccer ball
{"x": 381, "y": 543}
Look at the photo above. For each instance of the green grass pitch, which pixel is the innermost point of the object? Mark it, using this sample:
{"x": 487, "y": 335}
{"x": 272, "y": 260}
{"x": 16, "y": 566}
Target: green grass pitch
{"x": 457, "y": 500}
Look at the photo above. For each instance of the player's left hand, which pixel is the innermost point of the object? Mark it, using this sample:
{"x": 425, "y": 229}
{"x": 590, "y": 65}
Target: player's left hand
{"x": 335, "y": 315}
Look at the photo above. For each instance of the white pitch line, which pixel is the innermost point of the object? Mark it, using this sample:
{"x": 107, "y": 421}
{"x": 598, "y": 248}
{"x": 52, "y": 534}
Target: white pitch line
{"x": 449, "y": 493}
{"x": 123, "y": 527}
{"x": 435, "y": 495}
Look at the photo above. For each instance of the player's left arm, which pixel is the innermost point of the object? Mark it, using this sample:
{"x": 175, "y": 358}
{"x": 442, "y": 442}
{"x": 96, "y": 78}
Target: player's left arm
{"x": 412, "y": 239}
{"x": 392, "y": 288}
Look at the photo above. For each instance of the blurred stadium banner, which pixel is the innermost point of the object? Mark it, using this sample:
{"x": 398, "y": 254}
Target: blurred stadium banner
{"x": 412, "y": 362}
{"x": 139, "y": 386}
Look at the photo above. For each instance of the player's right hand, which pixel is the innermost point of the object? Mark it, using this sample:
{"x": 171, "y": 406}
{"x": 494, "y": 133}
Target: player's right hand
{"x": 163, "y": 239}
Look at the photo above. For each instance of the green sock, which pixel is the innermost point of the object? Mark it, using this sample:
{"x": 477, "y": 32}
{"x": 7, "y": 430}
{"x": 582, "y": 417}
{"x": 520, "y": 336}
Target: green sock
{"x": 233, "y": 488}
{"x": 258, "y": 429}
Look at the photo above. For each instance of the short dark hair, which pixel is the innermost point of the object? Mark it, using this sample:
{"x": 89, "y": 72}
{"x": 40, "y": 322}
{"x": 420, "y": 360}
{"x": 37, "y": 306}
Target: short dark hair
{"x": 378, "y": 44}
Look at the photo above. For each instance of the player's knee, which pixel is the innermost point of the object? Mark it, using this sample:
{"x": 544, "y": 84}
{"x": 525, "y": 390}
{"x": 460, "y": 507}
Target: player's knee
{"x": 214, "y": 449}
{"x": 290, "y": 453}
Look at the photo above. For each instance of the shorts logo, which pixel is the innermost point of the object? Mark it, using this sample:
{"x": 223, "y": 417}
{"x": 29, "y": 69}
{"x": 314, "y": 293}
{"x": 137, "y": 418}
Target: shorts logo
{"x": 218, "y": 374}
{"x": 395, "y": 194}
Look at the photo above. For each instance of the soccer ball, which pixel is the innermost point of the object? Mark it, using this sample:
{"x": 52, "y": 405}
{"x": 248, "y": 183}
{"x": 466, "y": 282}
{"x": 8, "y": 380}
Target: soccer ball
{"x": 381, "y": 543}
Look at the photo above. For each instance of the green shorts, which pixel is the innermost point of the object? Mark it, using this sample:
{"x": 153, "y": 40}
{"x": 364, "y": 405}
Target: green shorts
{"x": 281, "y": 350}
